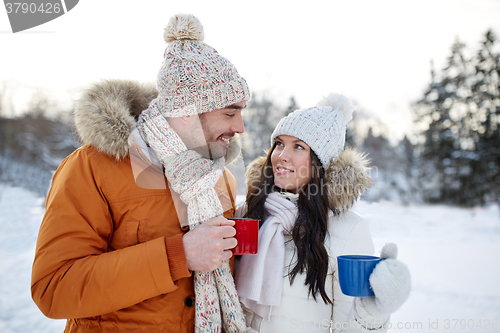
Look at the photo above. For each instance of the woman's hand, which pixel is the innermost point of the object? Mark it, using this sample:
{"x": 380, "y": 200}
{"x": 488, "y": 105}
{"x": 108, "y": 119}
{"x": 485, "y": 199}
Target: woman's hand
{"x": 391, "y": 284}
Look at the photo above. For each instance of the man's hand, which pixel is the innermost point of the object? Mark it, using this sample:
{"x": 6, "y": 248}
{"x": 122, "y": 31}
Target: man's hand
{"x": 207, "y": 245}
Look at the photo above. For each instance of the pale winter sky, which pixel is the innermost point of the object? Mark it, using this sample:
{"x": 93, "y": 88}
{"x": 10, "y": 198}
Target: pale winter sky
{"x": 376, "y": 52}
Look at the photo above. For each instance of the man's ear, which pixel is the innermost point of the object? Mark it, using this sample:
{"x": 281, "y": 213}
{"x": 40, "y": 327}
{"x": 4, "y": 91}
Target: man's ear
{"x": 186, "y": 123}
{"x": 180, "y": 120}
{"x": 189, "y": 120}
{"x": 186, "y": 120}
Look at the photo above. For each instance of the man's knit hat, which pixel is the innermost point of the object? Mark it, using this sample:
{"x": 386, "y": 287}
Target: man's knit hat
{"x": 194, "y": 78}
{"x": 322, "y": 127}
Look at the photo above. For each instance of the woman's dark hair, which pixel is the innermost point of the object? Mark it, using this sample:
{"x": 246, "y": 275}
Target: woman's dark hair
{"x": 309, "y": 230}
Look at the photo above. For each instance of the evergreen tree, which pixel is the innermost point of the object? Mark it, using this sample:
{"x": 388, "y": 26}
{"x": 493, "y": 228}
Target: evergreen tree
{"x": 407, "y": 167}
{"x": 292, "y": 106}
{"x": 351, "y": 135}
{"x": 386, "y": 169}
{"x": 379, "y": 150}
{"x": 459, "y": 158}
{"x": 486, "y": 96}
{"x": 446, "y": 101}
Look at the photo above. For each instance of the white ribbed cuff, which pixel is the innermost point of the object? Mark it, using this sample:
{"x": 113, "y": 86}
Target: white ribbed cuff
{"x": 366, "y": 319}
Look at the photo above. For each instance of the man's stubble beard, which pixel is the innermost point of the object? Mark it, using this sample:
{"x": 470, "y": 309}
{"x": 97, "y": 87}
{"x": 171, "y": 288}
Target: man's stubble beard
{"x": 213, "y": 149}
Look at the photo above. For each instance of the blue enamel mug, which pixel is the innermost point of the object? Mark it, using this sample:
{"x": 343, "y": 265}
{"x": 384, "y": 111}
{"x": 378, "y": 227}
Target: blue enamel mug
{"x": 354, "y": 273}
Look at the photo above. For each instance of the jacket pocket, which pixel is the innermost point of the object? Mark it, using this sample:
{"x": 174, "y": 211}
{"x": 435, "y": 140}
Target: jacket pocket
{"x": 125, "y": 235}
{"x": 147, "y": 231}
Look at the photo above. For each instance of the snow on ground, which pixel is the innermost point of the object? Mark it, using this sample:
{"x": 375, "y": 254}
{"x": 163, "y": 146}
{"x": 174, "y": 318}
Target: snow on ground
{"x": 21, "y": 213}
{"x": 453, "y": 255}
{"x": 454, "y": 258}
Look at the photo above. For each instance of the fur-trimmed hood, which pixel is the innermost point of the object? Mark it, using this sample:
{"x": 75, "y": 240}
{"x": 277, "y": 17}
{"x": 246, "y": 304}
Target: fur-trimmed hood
{"x": 107, "y": 112}
{"x": 347, "y": 178}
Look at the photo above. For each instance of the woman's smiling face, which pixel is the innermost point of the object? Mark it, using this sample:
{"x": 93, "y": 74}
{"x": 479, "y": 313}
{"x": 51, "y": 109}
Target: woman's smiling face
{"x": 291, "y": 162}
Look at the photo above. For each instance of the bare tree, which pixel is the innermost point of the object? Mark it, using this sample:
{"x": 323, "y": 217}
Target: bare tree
{"x": 261, "y": 117}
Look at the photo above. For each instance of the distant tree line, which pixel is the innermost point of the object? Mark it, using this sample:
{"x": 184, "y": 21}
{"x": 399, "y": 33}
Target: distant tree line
{"x": 32, "y": 145}
{"x": 452, "y": 157}
{"x": 261, "y": 117}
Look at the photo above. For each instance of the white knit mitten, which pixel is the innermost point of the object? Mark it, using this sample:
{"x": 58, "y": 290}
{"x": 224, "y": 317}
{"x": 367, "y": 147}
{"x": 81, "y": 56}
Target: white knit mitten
{"x": 391, "y": 284}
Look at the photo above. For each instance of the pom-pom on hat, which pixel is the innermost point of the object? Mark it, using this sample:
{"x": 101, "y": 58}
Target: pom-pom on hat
{"x": 194, "y": 78}
{"x": 322, "y": 127}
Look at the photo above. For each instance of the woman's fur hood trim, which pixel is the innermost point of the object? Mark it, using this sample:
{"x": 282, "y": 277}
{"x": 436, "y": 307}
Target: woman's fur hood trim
{"x": 347, "y": 178}
{"x": 107, "y": 112}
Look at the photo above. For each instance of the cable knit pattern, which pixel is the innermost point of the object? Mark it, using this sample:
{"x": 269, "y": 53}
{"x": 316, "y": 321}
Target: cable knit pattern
{"x": 260, "y": 278}
{"x": 193, "y": 178}
{"x": 322, "y": 127}
{"x": 194, "y": 78}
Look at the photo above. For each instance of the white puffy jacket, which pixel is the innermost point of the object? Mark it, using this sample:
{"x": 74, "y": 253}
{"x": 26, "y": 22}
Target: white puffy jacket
{"x": 348, "y": 234}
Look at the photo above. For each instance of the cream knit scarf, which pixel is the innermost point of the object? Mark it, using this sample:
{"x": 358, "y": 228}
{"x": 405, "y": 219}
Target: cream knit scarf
{"x": 260, "y": 277}
{"x": 193, "y": 178}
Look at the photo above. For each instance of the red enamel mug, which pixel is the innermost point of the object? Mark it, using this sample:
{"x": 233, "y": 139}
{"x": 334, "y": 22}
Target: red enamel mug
{"x": 247, "y": 235}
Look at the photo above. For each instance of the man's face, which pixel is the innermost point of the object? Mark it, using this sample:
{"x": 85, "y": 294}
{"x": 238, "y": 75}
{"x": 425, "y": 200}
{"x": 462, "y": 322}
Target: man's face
{"x": 218, "y": 126}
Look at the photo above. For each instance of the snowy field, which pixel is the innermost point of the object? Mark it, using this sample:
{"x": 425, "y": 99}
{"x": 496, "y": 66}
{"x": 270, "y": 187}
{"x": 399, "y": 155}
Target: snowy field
{"x": 453, "y": 254}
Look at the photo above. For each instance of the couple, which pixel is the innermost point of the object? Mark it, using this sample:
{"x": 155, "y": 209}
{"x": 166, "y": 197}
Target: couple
{"x": 135, "y": 236}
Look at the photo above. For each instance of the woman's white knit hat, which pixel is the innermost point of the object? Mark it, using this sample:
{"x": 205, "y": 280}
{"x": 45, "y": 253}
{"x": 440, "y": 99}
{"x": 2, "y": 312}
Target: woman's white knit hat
{"x": 322, "y": 127}
{"x": 194, "y": 78}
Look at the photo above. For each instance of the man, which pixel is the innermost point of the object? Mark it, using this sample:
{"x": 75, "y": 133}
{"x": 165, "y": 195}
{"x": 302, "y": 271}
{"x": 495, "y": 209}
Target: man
{"x": 135, "y": 220}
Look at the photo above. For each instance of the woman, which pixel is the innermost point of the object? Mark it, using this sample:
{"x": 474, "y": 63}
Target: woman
{"x": 302, "y": 192}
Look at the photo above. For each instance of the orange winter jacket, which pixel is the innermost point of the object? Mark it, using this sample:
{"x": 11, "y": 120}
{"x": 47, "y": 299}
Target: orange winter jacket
{"x": 109, "y": 255}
